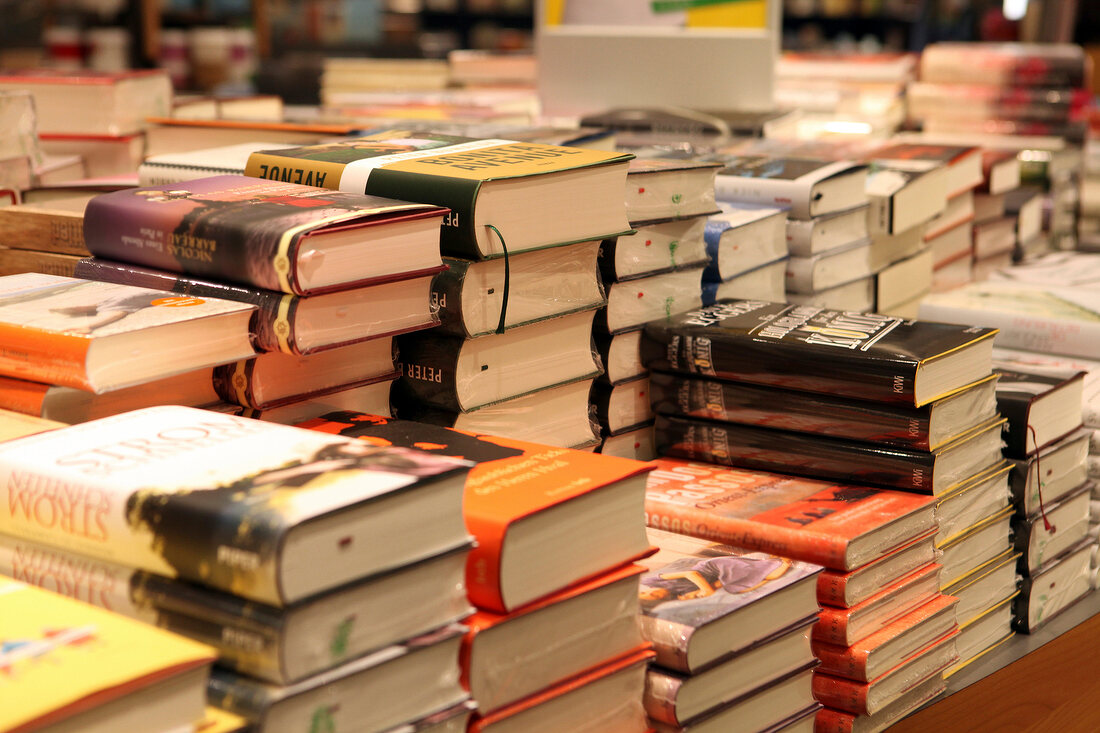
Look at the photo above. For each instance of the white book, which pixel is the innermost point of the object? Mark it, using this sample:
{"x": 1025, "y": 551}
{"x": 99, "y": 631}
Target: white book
{"x": 811, "y": 236}
{"x": 829, "y": 269}
{"x": 809, "y": 187}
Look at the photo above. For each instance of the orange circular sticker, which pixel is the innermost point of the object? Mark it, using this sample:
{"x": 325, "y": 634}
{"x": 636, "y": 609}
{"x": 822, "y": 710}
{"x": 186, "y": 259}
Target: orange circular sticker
{"x": 180, "y": 301}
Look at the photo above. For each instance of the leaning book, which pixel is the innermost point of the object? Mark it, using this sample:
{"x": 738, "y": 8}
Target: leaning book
{"x": 263, "y": 511}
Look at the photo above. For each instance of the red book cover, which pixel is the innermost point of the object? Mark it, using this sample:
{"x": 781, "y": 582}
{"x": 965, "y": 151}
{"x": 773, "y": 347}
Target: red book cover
{"x": 851, "y": 662}
{"x": 847, "y": 589}
{"x": 513, "y": 480}
{"x": 835, "y": 525}
{"x": 833, "y": 624}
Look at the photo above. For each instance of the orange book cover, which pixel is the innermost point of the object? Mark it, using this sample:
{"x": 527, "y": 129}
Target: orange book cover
{"x": 640, "y": 656}
{"x": 512, "y": 480}
{"x": 833, "y": 623}
{"x": 21, "y": 395}
{"x": 850, "y": 662}
{"x": 804, "y": 519}
{"x": 833, "y": 586}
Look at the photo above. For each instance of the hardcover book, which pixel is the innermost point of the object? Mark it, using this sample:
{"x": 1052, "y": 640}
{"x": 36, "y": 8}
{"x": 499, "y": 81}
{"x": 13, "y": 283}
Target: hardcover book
{"x": 271, "y": 235}
{"x": 830, "y": 268}
{"x": 577, "y": 193}
{"x": 1041, "y": 407}
{"x": 52, "y": 226}
{"x": 808, "y": 187}
{"x": 902, "y": 198}
{"x": 701, "y": 601}
{"x": 653, "y": 248}
{"x": 290, "y": 323}
{"x": 766, "y": 282}
{"x": 518, "y": 490}
{"x": 743, "y": 237}
{"x": 1054, "y": 364}
{"x": 1068, "y": 520}
{"x": 981, "y": 496}
{"x": 962, "y": 164}
{"x": 843, "y": 627}
{"x": 231, "y": 503}
{"x": 982, "y": 634}
{"x": 623, "y": 406}
{"x": 1005, "y": 64}
{"x": 71, "y": 665}
{"x": 279, "y": 645}
{"x": 664, "y": 188}
{"x": 983, "y": 588}
{"x": 835, "y": 525}
{"x": 966, "y": 552}
{"x": 632, "y": 303}
{"x": 866, "y": 356}
{"x": 620, "y": 354}
{"x": 847, "y": 589}
{"x": 729, "y": 444}
{"x": 99, "y": 336}
{"x": 1063, "y": 468}
{"x": 822, "y": 233}
{"x": 831, "y": 720}
{"x": 1054, "y": 588}
{"x": 18, "y": 261}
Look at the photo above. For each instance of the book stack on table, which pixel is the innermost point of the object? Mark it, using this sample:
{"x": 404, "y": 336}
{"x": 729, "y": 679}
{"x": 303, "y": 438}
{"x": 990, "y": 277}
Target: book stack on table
{"x": 652, "y": 273}
{"x": 884, "y": 634}
{"x": 554, "y": 644}
{"x": 747, "y": 250}
{"x": 327, "y": 573}
{"x": 515, "y": 357}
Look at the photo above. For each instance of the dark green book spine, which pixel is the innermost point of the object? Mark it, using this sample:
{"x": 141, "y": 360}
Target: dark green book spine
{"x": 457, "y": 237}
{"x": 428, "y": 370}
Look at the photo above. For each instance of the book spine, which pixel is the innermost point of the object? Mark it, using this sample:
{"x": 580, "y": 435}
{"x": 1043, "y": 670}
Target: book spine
{"x": 728, "y": 444}
{"x": 832, "y": 589}
{"x": 832, "y": 626}
{"x": 26, "y": 397}
{"x": 239, "y": 695}
{"x": 606, "y": 261}
{"x": 712, "y": 239}
{"x": 62, "y": 233}
{"x": 233, "y": 383}
{"x": 661, "y": 693}
{"x": 429, "y": 366}
{"x": 841, "y": 694}
{"x": 457, "y": 236}
{"x": 842, "y": 661}
{"x": 44, "y": 356}
{"x": 483, "y": 563}
{"x": 790, "y": 194}
{"x": 669, "y": 639}
{"x": 834, "y": 721}
{"x": 17, "y": 261}
{"x": 447, "y": 297}
{"x": 1015, "y": 407}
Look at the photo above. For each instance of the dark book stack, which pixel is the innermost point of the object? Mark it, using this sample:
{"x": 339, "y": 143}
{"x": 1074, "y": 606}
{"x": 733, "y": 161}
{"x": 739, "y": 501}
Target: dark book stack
{"x": 1014, "y": 90}
{"x": 554, "y": 643}
{"x": 731, "y": 629}
{"x": 652, "y": 273}
{"x": 1051, "y": 490}
{"x": 324, "y": 332}
{"x": 328, "y": 574}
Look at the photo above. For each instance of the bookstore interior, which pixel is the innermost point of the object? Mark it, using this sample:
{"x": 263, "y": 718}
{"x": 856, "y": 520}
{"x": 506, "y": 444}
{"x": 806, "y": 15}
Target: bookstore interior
{"x": 774, "y": 319}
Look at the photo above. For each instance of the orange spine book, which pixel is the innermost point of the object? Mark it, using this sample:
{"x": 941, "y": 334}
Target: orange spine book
{"x": 836, "y": 625}
{"x": 44, "y": 356}
{"x": 19, "y": 395}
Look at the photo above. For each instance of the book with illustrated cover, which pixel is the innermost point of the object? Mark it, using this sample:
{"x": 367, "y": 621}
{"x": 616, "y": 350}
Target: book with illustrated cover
{"x": 925, "y": 428}
{"x": 847, "y": 589}
{"x": 807, "y": 187}
{"x": 100, "y": 336}
{"x": 577, "y": 195}
{"x": 229, "y": 502}
{"x": 277, "y": 236}
{"x": 663, "y": 188}
{"x": 814, "y": 456}
{"x": 808, "y": 348}
{"x": 514, "y": 489}
{"x": 279, "y": 645}
{"x": 1042, "y": 407}
{"x": 66, "y": 663}
{"x": 703, "y": 600}
{"x": 836, "y": 525}
{"x": 290, "y": 323}
{"x": 654, "y": 248}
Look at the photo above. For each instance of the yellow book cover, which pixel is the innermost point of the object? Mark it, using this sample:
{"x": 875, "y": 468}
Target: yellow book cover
{"x": 60, "y": 657}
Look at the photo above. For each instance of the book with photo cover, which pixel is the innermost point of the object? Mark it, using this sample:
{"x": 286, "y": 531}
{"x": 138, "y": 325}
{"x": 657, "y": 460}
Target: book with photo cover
{"x": 577, "y": 194}
{"x": 277, "y": 236}
{"x": 231, "y": 503}
{"x": 100, "y": 336}
{"x": 836, "y": 525}
{"x": 866, "y": 356}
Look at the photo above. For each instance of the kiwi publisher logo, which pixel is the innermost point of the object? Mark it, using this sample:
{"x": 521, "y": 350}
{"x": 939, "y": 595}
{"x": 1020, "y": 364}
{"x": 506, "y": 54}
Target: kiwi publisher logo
{"x": 178, "y": 302}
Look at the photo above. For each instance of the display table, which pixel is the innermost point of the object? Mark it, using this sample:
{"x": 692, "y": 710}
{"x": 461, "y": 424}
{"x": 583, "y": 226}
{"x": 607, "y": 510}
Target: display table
{"x": 1049, "y": 681}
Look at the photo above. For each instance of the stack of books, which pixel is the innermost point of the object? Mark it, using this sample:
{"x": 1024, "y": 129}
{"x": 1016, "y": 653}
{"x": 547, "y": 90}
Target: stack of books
{"x": 834, "y": 261}
{"x": 652, "y": 273}
{"x": 747, "y": 250}
{"x": 43, "y": 236}
{"x": 335, "y": 277}
{"x": 731, "y": 629}
{"x": 885, "y": 633}
{"x": 519, "y": 300}
{"x": 328, "y": 574}
{"x": 554, "y": 644}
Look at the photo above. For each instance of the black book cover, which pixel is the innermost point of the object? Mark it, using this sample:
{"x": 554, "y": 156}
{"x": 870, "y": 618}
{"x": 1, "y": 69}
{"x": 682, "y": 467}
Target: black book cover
{"x": 1017, "y": 391}
{"x": 1021, "y": 467}
{"x": 861, "y": 355}
{"x": 429, "y": 371}
{"x": 1038, "y": 594}
{"x": 601, "y": 399}
{"x": 1024, "y": 528}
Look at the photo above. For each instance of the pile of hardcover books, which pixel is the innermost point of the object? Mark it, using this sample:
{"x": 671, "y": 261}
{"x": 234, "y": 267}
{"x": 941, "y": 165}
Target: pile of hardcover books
{"x": 884, "y": 634}
{"x": 747, "y": 250}
{"x": 554, "y": 644}
{"x": 514, "y": 356}
{"x": 652, "y": 273}
{"x": 327, "y": 573}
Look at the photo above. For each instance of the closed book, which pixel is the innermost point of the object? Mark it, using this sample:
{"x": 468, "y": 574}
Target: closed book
{"x": 99, "y": 336}
{"x": 518, "y": 490}
{"x": 831, "y": 720}
{"x": 806, "y": 238}
{"x": 994, "y": 237}
{"x": 654, "y": 247}
{"x": 578, "y": 194}
{"x": 509, "y": 656}
{"x": 981, "y": 496}
{"x": 847, "y": 589}
{"x": 766, "y": 282}
{"x": 1060, "y": 525}
{"x": 903, "y": 281}
{"x": 632, "y": 303}
{"x": 807, "y": 186}
{"x": 874, "y": 655}
{"x": 1025, "y": 205}
{"x": 857, "y": 295}
{"x": 291, "y": 323}
{"x": 1050, "y": 473}
{"x": 271, "y": 235}
{"x": 985, "y": 587}
{"x": 982, "y": 636}
{"x": 71, "y": 665}
{"x": 1054, "y": 364}
{"x": 842, "y": 628}
{"x": 454, "y": 719}
{"x": 603, "y": 698}
{"x": 279, "y": 645}
{"x": 232, "y": 503}
{"x": 622, "y": 406}
{"x": 1005, "y": 64}
{"x": 372, "y": 397}
{"x": 676, "y": 699}
{"x": 924, "y": 429}
{"x": 835, "y": 525}
{"x": 962, "y": 164}
{"x": 18, "y": 261}
{"x": 51, "y": 226}
{"x": 1041, "y": 407}
{"x": 668, "y": 188}
{"x": 702, "y": 602}
{"x": 388, "y": 687}
{"x": 984, "y": 541}
{"x": 480, "y": 297}
{"x": 636, "y": 443}
{"x": 866, "y": 356}
{"x": 460, "y": 374}
{"x": 989, "y": 206}
{"x": 729, "y": 444}
{"x": 830, "y": 268}
{"x": 620, "y": 354}
{"x": 902, "y": 198}
{"x": 1054, "y": 588}
{"x": 188, "y": 165}
{"x": 743, "y": 237}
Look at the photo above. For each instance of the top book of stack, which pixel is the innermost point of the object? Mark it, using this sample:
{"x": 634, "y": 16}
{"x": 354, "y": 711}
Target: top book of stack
{"x": 533, "y": 195}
